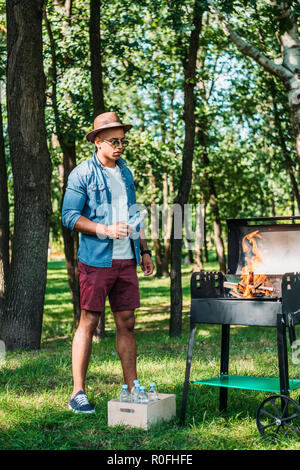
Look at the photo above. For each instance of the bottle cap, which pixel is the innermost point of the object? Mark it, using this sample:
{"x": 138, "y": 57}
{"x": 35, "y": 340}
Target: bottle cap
{"x": 125, "y": 386}
{"x": 152, "y": 384}
{"x": 136, "y": 381}
{"x": 142, "y": 388}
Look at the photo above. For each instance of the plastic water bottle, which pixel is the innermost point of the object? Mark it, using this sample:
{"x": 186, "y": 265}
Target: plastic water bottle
{"x": 137, "y": 218}
{"x": 143, "y": 397}
{"x": 124, "y": 395}
{"x": 135, "y": 391}
{"x": 152, "y": 393}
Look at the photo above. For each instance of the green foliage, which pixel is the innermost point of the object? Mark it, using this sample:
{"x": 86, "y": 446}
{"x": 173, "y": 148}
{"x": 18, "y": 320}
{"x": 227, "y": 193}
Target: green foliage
{"x": 143, "y": 46}
{"x": 142, "y": 53}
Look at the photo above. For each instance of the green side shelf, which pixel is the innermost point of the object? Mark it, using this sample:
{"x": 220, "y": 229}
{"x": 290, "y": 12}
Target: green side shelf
{"x": 266, "y": 384}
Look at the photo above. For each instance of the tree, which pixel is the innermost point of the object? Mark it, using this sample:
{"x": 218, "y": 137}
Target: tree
{"x": 97, "y": 91}
{"x": 189, "y": 60}
{"x": 4, "y": 204}
{"x": 211, "y": 47}
{"x": 284, "y": 25}
{"x": 4, "y": 217}
{"x": 96, "y": 57}
{"x": 23, "y": 310}
{"x": 65, "y": 135}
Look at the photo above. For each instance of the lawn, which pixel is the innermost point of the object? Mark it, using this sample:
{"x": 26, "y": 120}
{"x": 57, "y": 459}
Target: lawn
{"x": 36, "y": 386}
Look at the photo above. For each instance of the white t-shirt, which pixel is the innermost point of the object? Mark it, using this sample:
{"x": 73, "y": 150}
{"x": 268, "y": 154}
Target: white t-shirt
{"x": 122, "y": 247}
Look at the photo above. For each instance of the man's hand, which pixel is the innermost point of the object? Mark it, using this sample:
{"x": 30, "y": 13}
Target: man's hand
{"x": 147, "y": 265}
{"x": 118, "y": 230}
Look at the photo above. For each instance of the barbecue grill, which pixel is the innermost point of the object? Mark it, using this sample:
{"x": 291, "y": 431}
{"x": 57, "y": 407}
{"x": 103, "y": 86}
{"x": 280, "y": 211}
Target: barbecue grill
{"x": 216, "y": 298}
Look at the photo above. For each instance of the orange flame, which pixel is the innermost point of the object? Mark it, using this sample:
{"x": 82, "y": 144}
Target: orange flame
{"x": 250, "y": 282}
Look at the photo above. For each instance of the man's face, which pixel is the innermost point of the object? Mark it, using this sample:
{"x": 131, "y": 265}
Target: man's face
{"x": 103, "y": 142}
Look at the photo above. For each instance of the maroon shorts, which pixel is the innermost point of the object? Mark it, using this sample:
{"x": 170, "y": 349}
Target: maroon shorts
{"x": 119, "y": 283}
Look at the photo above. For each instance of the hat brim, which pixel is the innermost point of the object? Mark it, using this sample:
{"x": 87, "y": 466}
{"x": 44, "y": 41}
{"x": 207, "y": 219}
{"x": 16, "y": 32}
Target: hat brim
{"x": 90, "y": 137}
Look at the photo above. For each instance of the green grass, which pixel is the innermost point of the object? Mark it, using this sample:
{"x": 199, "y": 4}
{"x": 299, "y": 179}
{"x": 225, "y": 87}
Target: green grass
{"x": 35, "y": 386}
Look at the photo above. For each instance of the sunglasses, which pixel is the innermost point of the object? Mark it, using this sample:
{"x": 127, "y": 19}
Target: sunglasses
{"x": 117, "y": 142}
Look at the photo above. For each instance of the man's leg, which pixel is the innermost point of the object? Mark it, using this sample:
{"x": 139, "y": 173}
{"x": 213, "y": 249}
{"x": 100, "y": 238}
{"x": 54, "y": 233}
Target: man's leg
{"x": 126, "y": 345}
{"x": 82, "y": 347}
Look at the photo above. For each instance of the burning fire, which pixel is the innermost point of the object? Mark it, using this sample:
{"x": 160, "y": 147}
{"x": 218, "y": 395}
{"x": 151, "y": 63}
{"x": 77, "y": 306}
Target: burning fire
{"x": 252, "y": 285}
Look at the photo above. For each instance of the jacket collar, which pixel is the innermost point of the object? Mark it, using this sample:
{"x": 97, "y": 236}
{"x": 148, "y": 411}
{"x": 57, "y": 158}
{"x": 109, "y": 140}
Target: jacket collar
{"x": 121, "y": 162}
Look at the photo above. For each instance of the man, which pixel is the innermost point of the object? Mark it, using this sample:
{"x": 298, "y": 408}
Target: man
{"x": 99, "y": 197}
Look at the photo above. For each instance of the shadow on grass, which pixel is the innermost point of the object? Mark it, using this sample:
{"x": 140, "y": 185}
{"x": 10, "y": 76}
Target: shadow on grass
{"x": 49, "y": 371}
{"x": 50, "y": 429}
{"x": 44, "y": 427}
{"x": 51, "y": 366}
{"x": 58, "y": 288}
{"x": 205, "y": 428}
{"x": 153, "y": 291}
{"x": 56, "y": 264}
{"x": 148, "y": 286}
{"x": 50, "y": 426}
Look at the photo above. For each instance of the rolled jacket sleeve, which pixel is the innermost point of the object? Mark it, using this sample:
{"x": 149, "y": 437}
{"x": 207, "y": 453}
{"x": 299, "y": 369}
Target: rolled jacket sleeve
{"x": 74, "y": 200}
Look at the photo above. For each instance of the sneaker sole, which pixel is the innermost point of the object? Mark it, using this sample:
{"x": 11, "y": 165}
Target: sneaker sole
{"x": 81, "y": 412}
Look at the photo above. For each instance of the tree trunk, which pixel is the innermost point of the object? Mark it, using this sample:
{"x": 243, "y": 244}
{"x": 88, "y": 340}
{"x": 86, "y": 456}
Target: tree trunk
{"x": 278, "y": 125}
{"x": 154, "y": 222}
{"x": 96, "y": 57}
{"x": 71, "y": 238}
{"x": 168, "y": 191}
{"x": 68, "y": 146}
{"x": 199, "y": 239}
{"x": 205, "y": 237}
{"x": 100, "y": 330}
{"x": 188, "y": 235}
{"x": 293, "y": 203}
{"x": 176, "y": 285}
{"x": 167, "y": 223}
{"x": 282, "y": 142}
{"x": 290, "y": 42}
{"x": 4, "y": 218}
{"x": 213, "y": 199}
{"x": 273, "y": 207}
{"x": 97, "y": 92}
{"x": 219, "y": 244}
{"x": 189, "y": 65}
{"x": 162, "y": 262}
{"x": 31, "y": 166}
{"x": 218, "y": 239}
{"x": 294, "y": 100}
{"x": 68, "y": 7}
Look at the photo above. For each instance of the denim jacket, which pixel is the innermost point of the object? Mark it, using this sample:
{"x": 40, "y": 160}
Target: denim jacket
{"x": 88, "y": 194}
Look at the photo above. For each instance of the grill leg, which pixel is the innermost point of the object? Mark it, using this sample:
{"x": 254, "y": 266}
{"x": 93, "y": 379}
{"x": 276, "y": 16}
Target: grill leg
{"x": 282, "y": 357}
{"x": 187, "y": 374}
{"x": 292, "y": 334}
{"x": 224, "y": 365}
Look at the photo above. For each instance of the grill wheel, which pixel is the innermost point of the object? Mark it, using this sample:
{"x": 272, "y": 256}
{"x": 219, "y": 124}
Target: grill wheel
{"x": 278, "y": 416}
